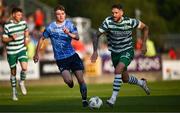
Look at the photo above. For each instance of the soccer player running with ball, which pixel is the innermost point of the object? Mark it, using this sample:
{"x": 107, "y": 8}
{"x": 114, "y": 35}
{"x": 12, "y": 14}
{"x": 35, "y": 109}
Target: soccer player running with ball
{"x": 61, "y": 32}
{"x": 16, "y": 37}
{"x": 118, "y": 30}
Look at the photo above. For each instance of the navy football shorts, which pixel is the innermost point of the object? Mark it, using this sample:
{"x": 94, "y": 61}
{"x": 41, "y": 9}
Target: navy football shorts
{"x": 73, "y": 63}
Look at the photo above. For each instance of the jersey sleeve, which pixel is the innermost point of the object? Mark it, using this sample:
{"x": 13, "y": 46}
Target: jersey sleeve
{"x": 72, "y": 28}
{"x": 103, "y": 27}
{"x": 6, "y": 32}
{"x": 46, "y": 33}
{"x": 134, "y": 22}
{"x": 26, "y": 27}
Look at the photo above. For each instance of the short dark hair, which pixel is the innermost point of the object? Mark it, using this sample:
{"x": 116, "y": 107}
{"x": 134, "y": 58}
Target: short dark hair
{"x": 16, "y": 9}
{"x": 59, "y": 7}
{"x": 118, "y": 6}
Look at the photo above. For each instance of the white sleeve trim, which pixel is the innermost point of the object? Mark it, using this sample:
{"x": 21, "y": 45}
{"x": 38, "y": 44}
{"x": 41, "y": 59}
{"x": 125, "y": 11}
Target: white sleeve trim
{"x": 101, "y": 30}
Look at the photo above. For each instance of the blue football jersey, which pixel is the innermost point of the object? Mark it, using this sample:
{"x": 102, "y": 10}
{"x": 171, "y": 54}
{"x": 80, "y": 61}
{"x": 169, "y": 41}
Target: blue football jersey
{"x": 61, "y": 42}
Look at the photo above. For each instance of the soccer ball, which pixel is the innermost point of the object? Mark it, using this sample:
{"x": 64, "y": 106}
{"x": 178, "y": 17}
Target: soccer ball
{"x": 95, "y": 102}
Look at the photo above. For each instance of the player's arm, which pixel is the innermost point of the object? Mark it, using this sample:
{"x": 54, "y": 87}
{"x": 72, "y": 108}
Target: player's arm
{"x": 39, "y": 45}
{"x": 95, "y": 46}
{"x": 27, "y": 38}
{"x": 74, "y": 36}
{"x": 145, "y": 30}
{"x": 7, "y": 39}
{"x": 102, "y": 30}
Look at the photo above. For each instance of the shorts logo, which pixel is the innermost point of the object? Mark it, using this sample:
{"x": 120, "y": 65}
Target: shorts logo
{"x": 127, "y": 54}
{"x": 61, "y": 68}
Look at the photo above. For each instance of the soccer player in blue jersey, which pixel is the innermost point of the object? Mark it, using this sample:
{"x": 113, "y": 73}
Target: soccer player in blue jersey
{"x": 61, "y": 32}
{"x": 119, "y": 33}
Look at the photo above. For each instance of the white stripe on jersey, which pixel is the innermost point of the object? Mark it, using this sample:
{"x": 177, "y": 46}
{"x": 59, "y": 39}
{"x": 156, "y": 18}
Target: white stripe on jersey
{"x": 14, "y": 47}
{"x": 15, "y": 52}
{"x": 17, "y": 42}
{"x": 13, "y": 24}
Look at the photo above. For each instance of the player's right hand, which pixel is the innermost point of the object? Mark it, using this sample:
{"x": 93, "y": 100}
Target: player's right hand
{"x": 36, "y": 58}
{"x": 94, "y": 57}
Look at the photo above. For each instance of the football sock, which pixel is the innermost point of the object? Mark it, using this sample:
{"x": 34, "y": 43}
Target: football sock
{"x": 83, "y": 90}
{"x": 134, "y": 80}
{"x": 116, "y": 85}
{"x": 23, "y": 75}
{"x": 13, "y": 81}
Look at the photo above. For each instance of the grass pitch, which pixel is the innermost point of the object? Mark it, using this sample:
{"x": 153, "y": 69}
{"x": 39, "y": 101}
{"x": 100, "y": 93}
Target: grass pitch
{"x": 165, "y": 97}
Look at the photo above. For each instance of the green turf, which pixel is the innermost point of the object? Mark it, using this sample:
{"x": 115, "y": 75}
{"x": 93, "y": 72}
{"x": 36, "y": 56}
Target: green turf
{"x": 165, "y": 97}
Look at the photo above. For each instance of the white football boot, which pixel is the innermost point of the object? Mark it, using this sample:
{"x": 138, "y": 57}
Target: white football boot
{"x": 111, "y": 102}
{"x": 14, "y": 95}
{"x": 22, "y": 87}
{"x": 145, "y": 87}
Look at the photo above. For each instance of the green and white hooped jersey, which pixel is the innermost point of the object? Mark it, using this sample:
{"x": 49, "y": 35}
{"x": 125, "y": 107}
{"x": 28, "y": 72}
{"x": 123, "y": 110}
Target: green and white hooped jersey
{"x": 119, "y": 34}
{"x": 19, "y": 29}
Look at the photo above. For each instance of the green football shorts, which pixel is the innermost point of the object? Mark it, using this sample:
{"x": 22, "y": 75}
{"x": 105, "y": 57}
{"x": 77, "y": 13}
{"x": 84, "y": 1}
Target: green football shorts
{"x": 125, "y": 57}
{"x": 21, "y": 57}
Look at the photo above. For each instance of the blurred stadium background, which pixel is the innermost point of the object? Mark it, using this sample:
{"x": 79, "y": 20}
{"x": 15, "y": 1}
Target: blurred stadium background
{"x": 160, "y": 65}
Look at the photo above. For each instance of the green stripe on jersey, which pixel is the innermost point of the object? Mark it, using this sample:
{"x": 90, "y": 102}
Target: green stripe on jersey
{"x": 119, "y": 34}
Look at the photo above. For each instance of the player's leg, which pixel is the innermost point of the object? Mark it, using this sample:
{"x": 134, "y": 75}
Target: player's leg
{"x": 77, "y": 67}
{"x": 83, "y": 87}
{"x": 13, "y": 84}
{"x": 64, "y": 68}
{"x": 131, "y": 79}
{"x": 67, "y": 77}
{"x": 23, "y": 77}
{"x": 12, "y": 63}
{"x": 23, "y": 59}
{"x": 126, "y": 58}
{"x": 120, "y": 62}
{"x": 116, "y": 84}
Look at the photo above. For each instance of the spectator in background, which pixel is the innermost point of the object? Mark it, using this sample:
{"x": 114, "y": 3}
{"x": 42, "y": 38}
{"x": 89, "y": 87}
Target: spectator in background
{"x": 138, "y": 47}
{"x": 172, "y": 53}
{"x": 39, "y": 18}
{"x": 30, "y": 23}
{"x": 151, "y": 51}
{"x": 79, "y": 47}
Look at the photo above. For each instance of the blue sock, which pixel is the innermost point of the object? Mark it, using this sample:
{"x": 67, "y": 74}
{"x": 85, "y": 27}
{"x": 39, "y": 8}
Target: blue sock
{"x": 83, "y": 90}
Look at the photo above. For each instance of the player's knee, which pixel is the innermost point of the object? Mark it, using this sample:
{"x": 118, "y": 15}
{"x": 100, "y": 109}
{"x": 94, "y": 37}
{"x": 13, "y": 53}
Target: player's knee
{"x": 24, "y": 69}
{"x": 81, "y": 81}
{"x": 125, "y": 79}
{"x": 119, "y": 69}
{"x": 13, "y": 72}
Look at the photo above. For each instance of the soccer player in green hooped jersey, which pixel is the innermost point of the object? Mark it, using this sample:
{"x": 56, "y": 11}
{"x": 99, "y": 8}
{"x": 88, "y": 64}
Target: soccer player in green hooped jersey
{"x": 118, "y": 30}
{"x": 15, "y": 37}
